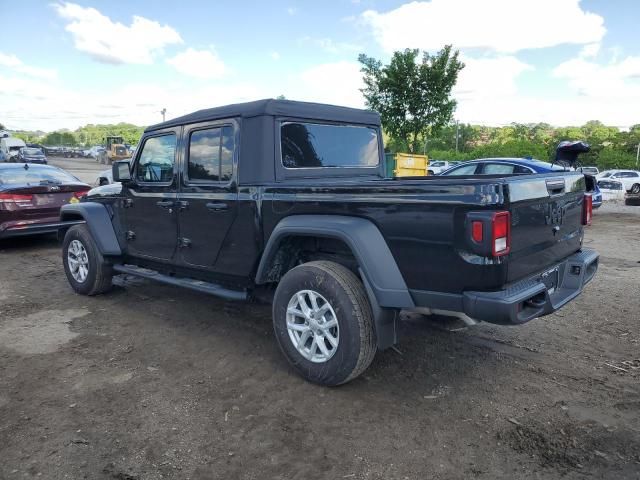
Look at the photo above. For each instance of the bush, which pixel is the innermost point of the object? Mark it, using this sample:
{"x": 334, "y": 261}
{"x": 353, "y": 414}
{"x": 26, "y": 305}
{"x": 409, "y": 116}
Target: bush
{"x": 609, "y": 158}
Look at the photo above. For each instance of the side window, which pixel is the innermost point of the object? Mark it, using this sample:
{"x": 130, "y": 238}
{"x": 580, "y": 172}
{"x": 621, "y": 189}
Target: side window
{"x": 211, "y": 154}
{"x": 521, "y": 169}
{"x": 157, "y": 159}
{"x": 497, "y": 169}
{"x": 463, "y": 170}
{"x": 316, "y": 145}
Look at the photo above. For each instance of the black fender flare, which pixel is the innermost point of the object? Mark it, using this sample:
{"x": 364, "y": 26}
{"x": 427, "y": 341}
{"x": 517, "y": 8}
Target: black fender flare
{"x": 98, "y": 220}
{"x": 384, "y": 284}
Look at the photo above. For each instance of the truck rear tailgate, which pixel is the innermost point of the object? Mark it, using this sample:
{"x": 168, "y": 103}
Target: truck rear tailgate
{"x": 546, "y": 221}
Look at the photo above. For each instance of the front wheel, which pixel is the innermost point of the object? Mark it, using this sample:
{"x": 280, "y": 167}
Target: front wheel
{"x": 323, "y": 322}
{"x": 87, "y": 271}
{"x": 635, "y": 189}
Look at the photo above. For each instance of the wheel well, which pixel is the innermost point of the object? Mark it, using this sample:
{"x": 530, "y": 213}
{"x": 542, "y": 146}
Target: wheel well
{"x": 67, "y": 217}
{"x": 295, "y": 250}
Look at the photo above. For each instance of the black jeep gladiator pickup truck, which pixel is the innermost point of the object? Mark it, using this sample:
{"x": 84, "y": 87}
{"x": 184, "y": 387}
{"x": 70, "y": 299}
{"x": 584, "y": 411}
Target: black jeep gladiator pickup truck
{"x": 290, "y": 198}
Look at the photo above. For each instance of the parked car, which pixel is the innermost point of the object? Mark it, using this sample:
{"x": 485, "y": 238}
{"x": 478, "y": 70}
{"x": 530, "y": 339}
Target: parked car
{"x": 630, "y": 179}
{"x": 290, "y": 201}
{"x": 611, "y": 189}
{"x": 31, "y": 155}
{"x": 510, "y": 166}
{"x": 93, "y": 152}
{"x": 589, "y": 170}
{"x": 11, "y": 146}
{"x": 105, "y": 177}
{"x": 436, "y": 167}
{"x": 31, "y": 196}
{"x": 503, "y": 166}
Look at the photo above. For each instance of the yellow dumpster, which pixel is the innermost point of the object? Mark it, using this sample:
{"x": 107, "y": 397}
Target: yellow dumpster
{"x": 410, "y": 165}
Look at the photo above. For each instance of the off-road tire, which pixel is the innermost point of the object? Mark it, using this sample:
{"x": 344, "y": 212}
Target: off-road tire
{"x": 100, "y": 272}
{"x": 346, "y": 294}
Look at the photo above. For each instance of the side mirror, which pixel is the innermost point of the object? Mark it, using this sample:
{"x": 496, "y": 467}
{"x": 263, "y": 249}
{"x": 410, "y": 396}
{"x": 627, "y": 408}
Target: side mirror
{"x": 121, "y": 172}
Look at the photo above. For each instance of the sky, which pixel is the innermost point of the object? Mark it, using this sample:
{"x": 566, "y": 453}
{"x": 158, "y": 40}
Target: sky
{"x": 66, "y": 64}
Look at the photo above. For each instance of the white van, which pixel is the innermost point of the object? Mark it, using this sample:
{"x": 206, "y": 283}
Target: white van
{"x": 10, "y": 146}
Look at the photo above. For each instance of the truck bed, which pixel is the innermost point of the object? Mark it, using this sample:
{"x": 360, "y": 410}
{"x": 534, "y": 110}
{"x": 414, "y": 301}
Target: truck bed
{"x": 422, "y": 220}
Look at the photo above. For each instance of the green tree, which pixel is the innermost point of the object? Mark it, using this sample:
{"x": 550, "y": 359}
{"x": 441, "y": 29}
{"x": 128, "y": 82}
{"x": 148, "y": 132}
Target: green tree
{"x": 413, "y": 97}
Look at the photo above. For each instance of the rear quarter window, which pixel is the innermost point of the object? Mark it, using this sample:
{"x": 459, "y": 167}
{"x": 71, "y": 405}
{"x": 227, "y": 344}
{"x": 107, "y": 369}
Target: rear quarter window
{"x": 314, "y": 145}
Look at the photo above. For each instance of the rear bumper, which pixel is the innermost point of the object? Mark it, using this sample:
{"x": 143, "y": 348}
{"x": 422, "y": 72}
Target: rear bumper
{"x": 530, "y": 298}
{"x": 34, "y": 228}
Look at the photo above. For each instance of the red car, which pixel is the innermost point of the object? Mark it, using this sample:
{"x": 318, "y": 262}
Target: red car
{"x": 31, "y": 196}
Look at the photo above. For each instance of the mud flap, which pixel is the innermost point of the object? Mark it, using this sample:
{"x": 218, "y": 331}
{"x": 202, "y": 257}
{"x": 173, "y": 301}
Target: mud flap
{"x": 385, "y": 320}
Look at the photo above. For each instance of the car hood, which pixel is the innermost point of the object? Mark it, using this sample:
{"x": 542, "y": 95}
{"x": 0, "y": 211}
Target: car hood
{"x": 105, "y": 190}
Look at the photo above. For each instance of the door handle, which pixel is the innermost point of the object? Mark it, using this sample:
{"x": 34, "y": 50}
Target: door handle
{"x": 165, "y": 203}
{"x": 217, "y": 206}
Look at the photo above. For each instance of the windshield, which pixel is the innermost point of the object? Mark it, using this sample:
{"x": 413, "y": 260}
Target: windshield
{"x": 34, "y": 176}
{"x": 437, "y": 164}
{"x": 606, "y": 175}
{"x": 13, "y": 149}
{"x": 32, "y": 151}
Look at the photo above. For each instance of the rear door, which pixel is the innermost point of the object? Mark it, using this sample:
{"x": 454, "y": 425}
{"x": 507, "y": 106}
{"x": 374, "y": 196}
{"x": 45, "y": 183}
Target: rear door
{"x": 149, "y": 205}
{"x": 546, "y": 220}
{"x": 208, "y": 196}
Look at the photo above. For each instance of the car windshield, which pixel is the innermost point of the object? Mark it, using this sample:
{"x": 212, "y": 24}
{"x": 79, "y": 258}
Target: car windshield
{"x": 606, "y": 175}
{"x": 34, "y": 176}
{"x": 437, "y": 164}
{"x": 13, "y": 149}
{"x": 32, "y": 151}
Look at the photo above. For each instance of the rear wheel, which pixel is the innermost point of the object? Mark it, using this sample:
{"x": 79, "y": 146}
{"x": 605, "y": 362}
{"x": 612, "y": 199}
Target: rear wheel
{"x": 323, "y": 322}
{"x": 87, "y": 271}
{"x": 635, "y": 189}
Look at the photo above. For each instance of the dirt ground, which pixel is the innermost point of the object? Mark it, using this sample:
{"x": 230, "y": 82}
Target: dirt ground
{"x": 151, "y": 382}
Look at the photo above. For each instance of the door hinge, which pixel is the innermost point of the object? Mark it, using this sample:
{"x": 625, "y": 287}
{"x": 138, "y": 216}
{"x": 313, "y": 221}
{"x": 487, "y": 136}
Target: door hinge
{"x": 184, "y": 242}
{"x": 130, "y": 235}
{"x": 127, "y": 203}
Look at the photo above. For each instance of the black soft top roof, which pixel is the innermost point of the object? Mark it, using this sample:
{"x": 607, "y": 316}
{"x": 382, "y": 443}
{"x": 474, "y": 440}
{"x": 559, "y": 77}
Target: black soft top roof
{"x": 280, "y": 108}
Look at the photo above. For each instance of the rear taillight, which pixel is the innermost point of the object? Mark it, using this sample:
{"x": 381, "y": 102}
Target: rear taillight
{"x": 80, "y": 194}
{"x": 489, "y": 233}
{"x": 587, "y": 209}
{"x": 15, "y": 198}
{"x": 500, "y": 233}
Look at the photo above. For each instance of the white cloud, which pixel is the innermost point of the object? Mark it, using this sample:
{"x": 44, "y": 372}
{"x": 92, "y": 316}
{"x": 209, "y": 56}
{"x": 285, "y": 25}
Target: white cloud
{"x": 501, "y": 25}
{"x": 203, "y": 64}
{"x": 618, "y": 79}
{"x": 112, "y": 42}
{"x": 590, "y": 50}
{"x": 609, "y": 92}
{"x": 36, "y": 104}
{"x": 330, "y": 46}
{"x": 336, "y": 83}
{"x": 274, "y": 55}
{"x": 489, "y": 77}
{"x": 15, "y": 64}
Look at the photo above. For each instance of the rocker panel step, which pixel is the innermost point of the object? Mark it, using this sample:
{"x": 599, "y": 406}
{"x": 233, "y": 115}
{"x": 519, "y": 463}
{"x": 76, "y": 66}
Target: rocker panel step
{"x": 190, "y": 283}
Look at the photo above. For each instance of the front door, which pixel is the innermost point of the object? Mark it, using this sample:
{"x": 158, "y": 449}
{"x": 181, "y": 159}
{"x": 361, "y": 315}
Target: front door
{"x": 208, "y": 196}
{"x": 150, "y": 214}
